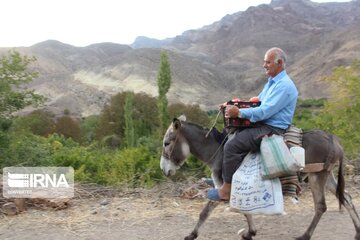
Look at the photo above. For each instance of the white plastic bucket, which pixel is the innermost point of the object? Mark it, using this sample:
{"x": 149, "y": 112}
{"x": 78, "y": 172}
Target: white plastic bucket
{"x": 299, "y": 155}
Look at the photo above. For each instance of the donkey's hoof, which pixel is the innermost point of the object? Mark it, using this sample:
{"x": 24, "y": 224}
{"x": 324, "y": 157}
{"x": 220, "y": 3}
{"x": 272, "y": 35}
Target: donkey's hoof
{"x": 246, "y": 235}
{"x": 192, "y": 236}
{"x": 303, "y": 238}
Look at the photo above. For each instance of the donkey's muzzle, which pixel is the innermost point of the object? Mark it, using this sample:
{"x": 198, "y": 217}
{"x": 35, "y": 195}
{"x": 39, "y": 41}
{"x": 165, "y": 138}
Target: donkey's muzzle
{"x": 167, "y": 167}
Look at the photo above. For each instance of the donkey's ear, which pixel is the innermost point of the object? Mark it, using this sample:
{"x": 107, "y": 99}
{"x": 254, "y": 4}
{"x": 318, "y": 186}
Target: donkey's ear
{"x": 182, "y": 117}
{"x": 176, "y": 123}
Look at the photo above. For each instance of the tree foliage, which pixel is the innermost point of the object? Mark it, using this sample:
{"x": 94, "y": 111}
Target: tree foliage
{"x": 143, "y": 111}
{"x": 341, "y": 113}
{"x": 14, "y": 96}
{"x": 14, "y": 75}
{"x": 68, "y": 127}
{"x": 88, "y": 128}
{"x": 306, "y": 112}
{"x": 107, "y": 122}
{"x": 193, "y": 113}
{"x": 38, "y": 122}
{"x": 164, "y": 83}
{"x": 129, "y": 130}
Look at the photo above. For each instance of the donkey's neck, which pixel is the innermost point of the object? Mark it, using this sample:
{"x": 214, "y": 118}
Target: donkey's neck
{"x": 202, "y": 147}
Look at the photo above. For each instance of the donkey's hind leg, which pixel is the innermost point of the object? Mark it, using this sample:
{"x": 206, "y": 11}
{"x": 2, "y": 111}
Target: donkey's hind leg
{"x": 205, "y": 213}
{"x": 331, "y": 184}
{"x": 248, "y": 235}
{"x": 317, "y": 183}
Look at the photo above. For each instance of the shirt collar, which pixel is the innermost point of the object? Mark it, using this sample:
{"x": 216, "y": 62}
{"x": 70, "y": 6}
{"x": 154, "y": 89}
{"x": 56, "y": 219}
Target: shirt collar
{"x": 280, "y": 75}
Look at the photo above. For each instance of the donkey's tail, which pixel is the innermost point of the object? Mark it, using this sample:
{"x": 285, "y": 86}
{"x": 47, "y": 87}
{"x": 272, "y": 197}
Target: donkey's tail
{"x": 341, "y": 181}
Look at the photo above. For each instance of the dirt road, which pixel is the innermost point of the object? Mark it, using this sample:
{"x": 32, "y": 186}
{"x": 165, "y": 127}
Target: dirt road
{"x": 164, "y": 214}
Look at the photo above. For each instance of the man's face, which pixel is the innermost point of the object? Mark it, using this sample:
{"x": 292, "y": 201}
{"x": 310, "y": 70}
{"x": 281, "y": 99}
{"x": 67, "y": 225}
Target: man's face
{"x": 272, "y": 68}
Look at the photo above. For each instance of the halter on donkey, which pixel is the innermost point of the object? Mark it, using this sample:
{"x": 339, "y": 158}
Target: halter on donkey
{"x": 183, "y": 138}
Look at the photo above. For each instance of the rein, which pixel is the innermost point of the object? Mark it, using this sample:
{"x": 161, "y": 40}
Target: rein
{"x": 217, "y": 116}
{"x": 220, "y": 146}
{"x": 223, "y": 141}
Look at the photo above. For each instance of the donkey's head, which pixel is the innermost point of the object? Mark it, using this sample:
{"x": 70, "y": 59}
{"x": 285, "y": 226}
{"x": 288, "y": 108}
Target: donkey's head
{"x": 175, "y": 147}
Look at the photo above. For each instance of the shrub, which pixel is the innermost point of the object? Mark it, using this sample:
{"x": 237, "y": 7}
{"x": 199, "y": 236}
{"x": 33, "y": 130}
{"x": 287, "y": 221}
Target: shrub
{"x": 28, "y": 150}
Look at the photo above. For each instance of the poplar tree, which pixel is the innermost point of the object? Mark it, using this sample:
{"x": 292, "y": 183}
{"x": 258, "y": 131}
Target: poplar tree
{"x": 129, "y": 130}
{"x": 164, "y": 82}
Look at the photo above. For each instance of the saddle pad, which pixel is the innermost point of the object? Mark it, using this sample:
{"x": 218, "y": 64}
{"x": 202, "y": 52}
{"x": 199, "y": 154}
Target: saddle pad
{"x": 293, "y": 136}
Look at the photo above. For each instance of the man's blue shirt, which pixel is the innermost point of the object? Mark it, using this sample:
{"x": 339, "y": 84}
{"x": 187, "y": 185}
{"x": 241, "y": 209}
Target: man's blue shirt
{"x": 278, "y": 103}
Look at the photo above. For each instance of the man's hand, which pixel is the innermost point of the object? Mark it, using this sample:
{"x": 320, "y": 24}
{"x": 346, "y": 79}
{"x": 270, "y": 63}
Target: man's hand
{"x": 222, "y": 106}
{"x": 254, "y": 99}
{"x": 231, "y": 111}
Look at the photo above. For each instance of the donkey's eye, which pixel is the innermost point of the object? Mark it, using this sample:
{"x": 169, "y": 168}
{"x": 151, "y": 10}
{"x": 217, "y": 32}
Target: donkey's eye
{"x": 166, "y": 144}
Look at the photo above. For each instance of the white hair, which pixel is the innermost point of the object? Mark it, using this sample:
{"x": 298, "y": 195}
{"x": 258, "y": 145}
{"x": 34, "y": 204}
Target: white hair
{"x": 279, "y": 54}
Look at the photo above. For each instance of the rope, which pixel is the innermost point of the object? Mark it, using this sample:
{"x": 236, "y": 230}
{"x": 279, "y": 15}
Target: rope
{"x": 217, "y": 116}
{"x": 220, "y": 146}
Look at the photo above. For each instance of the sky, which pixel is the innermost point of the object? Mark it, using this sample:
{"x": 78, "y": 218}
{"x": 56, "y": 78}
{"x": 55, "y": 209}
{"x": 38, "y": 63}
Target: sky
{"x": 84, "y": 22}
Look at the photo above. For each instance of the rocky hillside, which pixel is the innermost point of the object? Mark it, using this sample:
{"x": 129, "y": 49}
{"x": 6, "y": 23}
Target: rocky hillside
{"x": 209, "y": 65}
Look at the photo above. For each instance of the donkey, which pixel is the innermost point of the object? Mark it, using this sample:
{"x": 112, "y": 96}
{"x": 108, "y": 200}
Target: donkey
{"x": 321, "y": 149}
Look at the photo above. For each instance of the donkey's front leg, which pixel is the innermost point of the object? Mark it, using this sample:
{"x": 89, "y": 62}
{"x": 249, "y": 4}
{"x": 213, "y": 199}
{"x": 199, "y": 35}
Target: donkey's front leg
{"x": 205, "y": 213}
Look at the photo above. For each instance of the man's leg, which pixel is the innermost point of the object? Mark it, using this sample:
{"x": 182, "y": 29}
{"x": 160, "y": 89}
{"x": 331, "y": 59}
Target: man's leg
{"x": 235, "y": 151}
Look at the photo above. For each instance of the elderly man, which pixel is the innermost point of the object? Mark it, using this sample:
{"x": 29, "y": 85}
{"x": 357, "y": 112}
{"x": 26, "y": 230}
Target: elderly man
{"x": 274, "y": 115}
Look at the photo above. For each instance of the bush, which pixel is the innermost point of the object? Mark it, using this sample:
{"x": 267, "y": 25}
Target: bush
{"x": 68, "y": 127}
{"x": 131, "y": 167}
{"x": 38, "y": 122}
{"x": 27, "y": 150}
